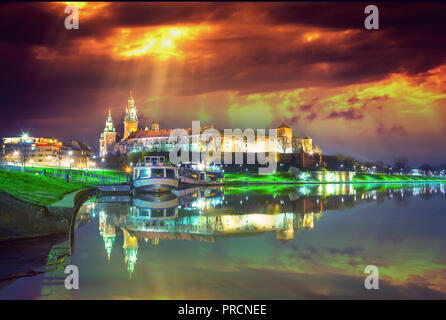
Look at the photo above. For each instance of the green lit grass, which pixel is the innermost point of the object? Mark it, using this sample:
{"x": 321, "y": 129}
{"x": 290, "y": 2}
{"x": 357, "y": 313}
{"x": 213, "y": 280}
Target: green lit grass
{"x": 36, "y": 189}
{"x": 392, "y": 178}
{"x": 284, "y": 177}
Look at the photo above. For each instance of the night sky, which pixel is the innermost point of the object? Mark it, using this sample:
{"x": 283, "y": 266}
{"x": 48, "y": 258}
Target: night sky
{"x": 373, "y": 94}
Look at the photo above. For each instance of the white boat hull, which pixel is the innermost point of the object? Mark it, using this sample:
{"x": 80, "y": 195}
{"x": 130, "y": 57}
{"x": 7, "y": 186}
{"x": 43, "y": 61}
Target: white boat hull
{"x": 164, "y": 201}
{"x": 155, "y": 184}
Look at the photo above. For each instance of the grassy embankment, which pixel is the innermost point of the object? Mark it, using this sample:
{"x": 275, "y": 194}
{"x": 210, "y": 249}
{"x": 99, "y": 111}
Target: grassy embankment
{"x": 36, "y": 189}
{"x": 284, "y": 177}
{"x": 379, "y": 177}
{"x": 278, "y": 177}
{"x": 284, "y": 189}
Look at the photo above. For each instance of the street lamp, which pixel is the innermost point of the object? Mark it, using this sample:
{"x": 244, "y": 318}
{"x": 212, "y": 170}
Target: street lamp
{"x": 70, "y": 154}
{"x": 103, "y": 160}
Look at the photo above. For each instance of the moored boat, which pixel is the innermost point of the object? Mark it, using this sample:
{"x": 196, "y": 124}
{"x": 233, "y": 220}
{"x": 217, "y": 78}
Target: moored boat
{"x": 200, "y": 175}
{"x": 154, "y": 175}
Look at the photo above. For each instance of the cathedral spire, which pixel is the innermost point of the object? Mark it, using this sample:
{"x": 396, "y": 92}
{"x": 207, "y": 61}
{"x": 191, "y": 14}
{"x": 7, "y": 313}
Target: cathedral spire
{"x": 109, "y": 126}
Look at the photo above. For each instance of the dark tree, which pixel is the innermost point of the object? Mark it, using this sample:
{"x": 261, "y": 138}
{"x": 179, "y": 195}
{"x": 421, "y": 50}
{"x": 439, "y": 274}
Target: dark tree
{"x": 426, "y": 167}
{"x": 401, "y": 163}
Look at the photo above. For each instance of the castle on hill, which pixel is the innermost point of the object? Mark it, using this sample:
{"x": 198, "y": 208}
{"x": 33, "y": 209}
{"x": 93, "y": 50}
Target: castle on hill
{"x": 154, "y": 139}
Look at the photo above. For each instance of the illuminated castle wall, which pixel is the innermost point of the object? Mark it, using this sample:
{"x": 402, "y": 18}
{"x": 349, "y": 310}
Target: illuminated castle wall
{"x": 160, "y": 140}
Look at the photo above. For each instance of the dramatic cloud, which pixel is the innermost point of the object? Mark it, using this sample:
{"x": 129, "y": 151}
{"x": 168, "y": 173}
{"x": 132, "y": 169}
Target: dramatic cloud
{"x": 311, "y": 65}
{"x": 350, "y": 114}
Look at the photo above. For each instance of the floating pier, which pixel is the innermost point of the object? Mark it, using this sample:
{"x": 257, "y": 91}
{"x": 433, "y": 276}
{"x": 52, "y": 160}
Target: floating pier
{"x": 115, "y": 188}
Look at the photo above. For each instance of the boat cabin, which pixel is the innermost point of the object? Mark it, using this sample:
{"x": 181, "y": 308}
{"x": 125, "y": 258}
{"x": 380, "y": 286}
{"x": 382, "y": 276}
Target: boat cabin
{"x": 154, "y": 160}
{"x": 154, "y": 167}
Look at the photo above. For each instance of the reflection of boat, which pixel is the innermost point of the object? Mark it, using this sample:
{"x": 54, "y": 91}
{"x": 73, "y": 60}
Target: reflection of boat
{"x": 200, "y": 197}
{"x": 111, "y": 199}
{"x": 156, "y": 206}
{"x": 200, "y": 175}
{"x": 155, "y": 176}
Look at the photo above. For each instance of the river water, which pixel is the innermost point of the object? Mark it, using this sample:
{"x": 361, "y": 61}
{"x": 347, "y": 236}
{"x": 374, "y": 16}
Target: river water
{"x": 264, "y": 242}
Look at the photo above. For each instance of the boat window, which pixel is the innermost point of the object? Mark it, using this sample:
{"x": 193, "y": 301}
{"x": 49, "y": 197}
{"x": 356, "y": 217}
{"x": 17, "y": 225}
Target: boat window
{"x": 144, "y": 212}
{"x": 171, "y": 212}
{"x": 157, "y": 213}
{"x": 144, "y": 174}
{"x": 157, "y": 173}
{"x": 170, "y": 173}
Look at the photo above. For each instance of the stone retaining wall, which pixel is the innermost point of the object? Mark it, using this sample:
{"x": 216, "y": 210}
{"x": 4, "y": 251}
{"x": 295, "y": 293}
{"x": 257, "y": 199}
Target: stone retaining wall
{"x": 20, "y": 220}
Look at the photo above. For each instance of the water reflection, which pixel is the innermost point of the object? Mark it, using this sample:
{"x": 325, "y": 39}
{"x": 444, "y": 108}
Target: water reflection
{"x": 257, "y": 242}
{"x": 205, "y": 215}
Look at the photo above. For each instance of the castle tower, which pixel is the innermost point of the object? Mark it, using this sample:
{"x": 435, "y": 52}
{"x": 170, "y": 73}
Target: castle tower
{"x": 307, "y": 144}
{"x": 131, "y": 117}
{"x": 155, "y": 126}
{"x": 130, "y": 250}
{"x": 287, "y": 233}
{"x": 108, "y": 136}
{"x": 109, "y": 237}
{"x": 285, "y": 138}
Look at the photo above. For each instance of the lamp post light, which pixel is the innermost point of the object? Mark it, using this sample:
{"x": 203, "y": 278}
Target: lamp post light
{"x": 24, "y": 148}
{"x": 70, "y": 154}
{"x": 103, "y": 167}
{"x": 16, "y": 158}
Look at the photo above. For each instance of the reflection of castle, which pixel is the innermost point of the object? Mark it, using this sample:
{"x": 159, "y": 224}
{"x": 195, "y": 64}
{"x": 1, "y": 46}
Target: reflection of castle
{"x": 130, "y": 250}
{"x": 210, "y": 214}
{"x": 203, "y": 216}
{"x": 161, "y": 140}
{"x": 108, "y": 233}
